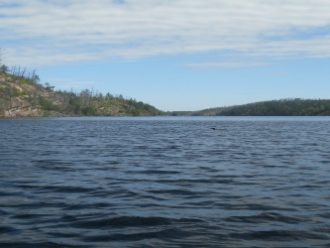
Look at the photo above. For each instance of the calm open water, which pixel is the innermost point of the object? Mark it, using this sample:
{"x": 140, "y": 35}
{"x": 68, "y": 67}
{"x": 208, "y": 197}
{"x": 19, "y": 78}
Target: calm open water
{"x": 165, "y": 182}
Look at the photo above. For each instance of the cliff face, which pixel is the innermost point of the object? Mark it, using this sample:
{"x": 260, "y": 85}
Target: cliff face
{"x": 21, "y": 97}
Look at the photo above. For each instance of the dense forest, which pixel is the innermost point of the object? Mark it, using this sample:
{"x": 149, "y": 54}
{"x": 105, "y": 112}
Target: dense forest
{"x": 286, "y": 107}
{"x": 22, "y": 95}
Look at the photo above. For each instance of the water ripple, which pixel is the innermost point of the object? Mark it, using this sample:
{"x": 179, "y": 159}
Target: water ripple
{"x": 148, "y": 182}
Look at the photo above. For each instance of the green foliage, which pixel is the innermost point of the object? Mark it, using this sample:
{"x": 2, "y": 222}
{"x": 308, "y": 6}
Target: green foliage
{"x": 286, "y": 107}
{"x": 3, "y": 69}
{"x": 47, "y": 104}
{"x": 89, "y": 103}
{"x": 49, "y": 87}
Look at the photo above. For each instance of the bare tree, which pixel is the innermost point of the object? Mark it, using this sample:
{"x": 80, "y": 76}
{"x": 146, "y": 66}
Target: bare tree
{"x": 0, "y": 56}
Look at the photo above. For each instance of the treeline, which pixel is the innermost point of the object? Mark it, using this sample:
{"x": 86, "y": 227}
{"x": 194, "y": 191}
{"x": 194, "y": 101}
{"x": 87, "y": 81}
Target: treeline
{"x": 20, "y": 72}
{"x": 285, "y": 107}
{"x": 90, "y": 103}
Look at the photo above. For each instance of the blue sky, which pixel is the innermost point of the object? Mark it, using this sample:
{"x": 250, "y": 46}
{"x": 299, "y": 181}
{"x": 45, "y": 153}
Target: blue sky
{"x": 174, "y": 54}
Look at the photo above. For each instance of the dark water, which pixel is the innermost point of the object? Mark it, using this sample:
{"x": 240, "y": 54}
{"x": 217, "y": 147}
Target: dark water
{"x": 203, "y": 182}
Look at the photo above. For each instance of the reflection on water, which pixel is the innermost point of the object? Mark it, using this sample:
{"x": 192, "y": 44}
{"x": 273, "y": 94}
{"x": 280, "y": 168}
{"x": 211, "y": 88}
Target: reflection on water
{"x": 165, "y": 182}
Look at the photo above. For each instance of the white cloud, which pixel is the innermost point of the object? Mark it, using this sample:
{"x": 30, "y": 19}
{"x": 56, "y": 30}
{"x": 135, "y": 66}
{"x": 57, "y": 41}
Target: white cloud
{"x": 48, "y": 32}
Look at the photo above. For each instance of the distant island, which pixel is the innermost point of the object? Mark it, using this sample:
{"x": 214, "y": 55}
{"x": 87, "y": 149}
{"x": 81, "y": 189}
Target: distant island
{"x": 24, "y": 96}
{"x": 284, "y": 107}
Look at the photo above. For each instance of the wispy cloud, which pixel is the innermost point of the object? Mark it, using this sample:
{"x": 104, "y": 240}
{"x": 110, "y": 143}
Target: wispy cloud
{"x": 225, "y": 65}
{"x": 42, "y": 32}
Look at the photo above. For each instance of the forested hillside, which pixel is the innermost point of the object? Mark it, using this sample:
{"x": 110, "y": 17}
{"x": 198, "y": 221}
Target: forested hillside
{"x": 286, "y": 107}
{"x": 21, "y": 95}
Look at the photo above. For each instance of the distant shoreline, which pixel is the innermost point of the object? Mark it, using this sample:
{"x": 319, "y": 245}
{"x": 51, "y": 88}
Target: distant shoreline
{"x": 26, "y": 97}
{"x": 160, "y": 117}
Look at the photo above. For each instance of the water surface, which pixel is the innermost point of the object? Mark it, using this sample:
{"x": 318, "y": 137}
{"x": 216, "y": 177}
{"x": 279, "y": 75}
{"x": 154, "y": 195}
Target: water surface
{"x": 165, "y": 182}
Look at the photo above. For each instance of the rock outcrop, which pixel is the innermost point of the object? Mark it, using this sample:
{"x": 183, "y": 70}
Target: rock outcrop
{"x": 23, "y": 97}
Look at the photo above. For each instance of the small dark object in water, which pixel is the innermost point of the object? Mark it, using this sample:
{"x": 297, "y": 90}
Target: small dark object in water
{"x": 213, "y": 128}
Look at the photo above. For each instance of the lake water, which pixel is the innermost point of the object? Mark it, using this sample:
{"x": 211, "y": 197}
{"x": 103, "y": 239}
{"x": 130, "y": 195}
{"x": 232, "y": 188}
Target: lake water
{"x": 165, "y": 182}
